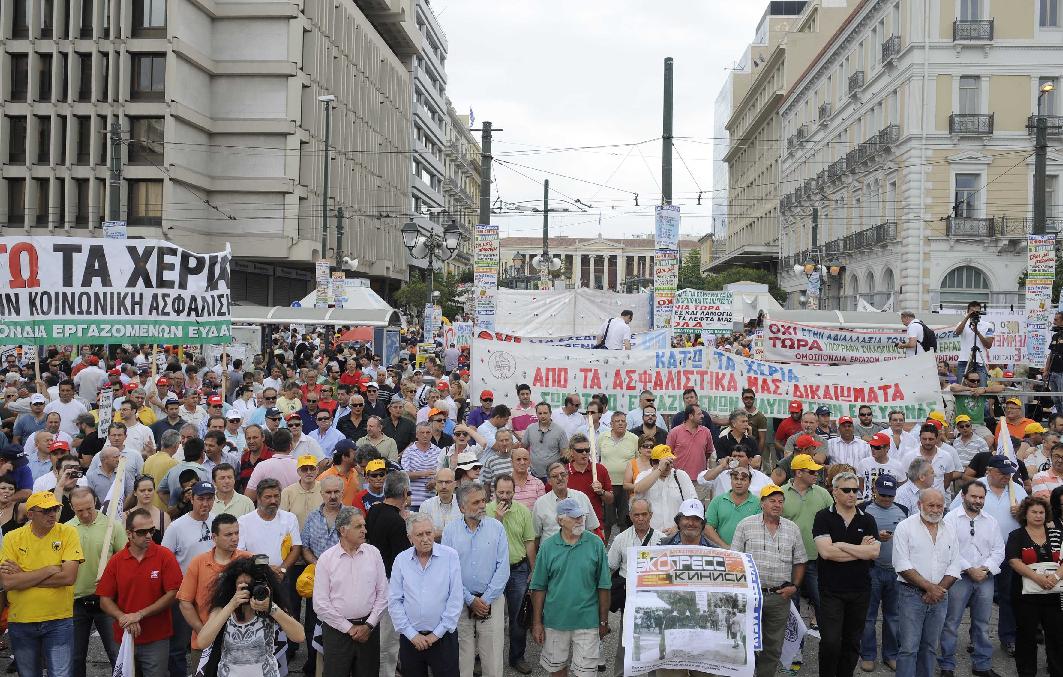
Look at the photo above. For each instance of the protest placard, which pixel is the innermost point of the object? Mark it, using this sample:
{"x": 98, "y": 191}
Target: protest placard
{"x": 909, "y": 385}
{"x": 91, "y": 290}
{"x": 1040, "y": 276}
{"x": 463, "y": 334}
{"x": 485, "y": 275}
{"x": 658, "y": 339}
{"x": 665, "y": 281}
{"x": 695, "y": 311}
{"x": 691, "y": 608}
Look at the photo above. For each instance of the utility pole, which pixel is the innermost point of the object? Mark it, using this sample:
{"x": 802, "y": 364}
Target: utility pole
{"x": 544, "y": 262}
{"x": 1040, "y": 167}
{"x": 339, "y": 237}
{"x": 115, "y": 202}
{"x": 666, "y": 136}
{"x": 818, "y": 259}
{"x": 485, "y": 172}
{"x": 327, "y": 101}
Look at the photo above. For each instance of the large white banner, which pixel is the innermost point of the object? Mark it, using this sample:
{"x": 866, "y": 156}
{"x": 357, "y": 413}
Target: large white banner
{"x": 658, "y": 339}
{"x": 808, "y": 344}
{"x": 691, "y": 608}
{"x": 90, "y": 290}
{"x": 909, "y": 384}
{"x": 702, "y": 312}
{"x": 565, "y": 312}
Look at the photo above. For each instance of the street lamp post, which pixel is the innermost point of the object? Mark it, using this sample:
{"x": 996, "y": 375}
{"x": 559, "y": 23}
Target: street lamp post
{"x": 327, "y": 101}
{"x": 1040, "y": 164}
{"x": 433, "y": 246}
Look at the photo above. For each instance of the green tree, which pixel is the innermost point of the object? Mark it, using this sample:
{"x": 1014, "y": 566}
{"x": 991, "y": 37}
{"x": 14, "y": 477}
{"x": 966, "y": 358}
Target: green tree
{"x": 690, "y": 276}
{"x": 716, "y": 282}
{"x": 413, "y": 295}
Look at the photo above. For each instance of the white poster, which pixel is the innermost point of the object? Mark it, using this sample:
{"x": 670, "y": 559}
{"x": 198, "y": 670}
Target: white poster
{"x": 106, "y": 411}
{"x": 566, "y": 312}
{"x": 695, "y": 312}
{"x": 114, "y": 230}
{"x": 691, "y": 608}
{"x": 485, "y": 275}
{"x": 1040, "y": 276}
{"x": 323, "y": 281}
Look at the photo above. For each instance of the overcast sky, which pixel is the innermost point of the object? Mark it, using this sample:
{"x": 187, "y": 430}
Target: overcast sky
{"x": 557, "y": 74}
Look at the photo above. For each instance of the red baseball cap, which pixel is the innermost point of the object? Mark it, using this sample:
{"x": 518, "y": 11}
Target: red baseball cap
{"x": 58, "y": 445}
{"x": 487, "y": 394}
{"x": 114, "y": 372}
{"x": 92, "y": 359}
{"x": 163, "y": 381}
{"x": 936, "y": 423}
{"x": 807, "y": 441}
{"x": 442, "y": 385}
{"x": 795, "y": 406}
{"x": 131, "y": 386}
{"x": 214, "y": 400}
{"x": 879, "y": 440}
{"x": 844, "y": 419}
{"x": 293, "y": 415}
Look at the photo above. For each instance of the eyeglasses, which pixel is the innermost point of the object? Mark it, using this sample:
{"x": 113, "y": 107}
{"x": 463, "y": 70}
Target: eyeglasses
{"x": 583, "y": 450}
{"x": 963, "y": 425}
{"x": 377, "y": 474}
{"x": 559, "y": 476}
{"x": 324, "y": 418}
{"x": 150, "y": 531}
{"x": 437, "y": 420}
{"x": 460, "y": 433}
{"x": 848, "y": 490}
{"x": 646, "y": 446}
{"x": 740, "y": 475}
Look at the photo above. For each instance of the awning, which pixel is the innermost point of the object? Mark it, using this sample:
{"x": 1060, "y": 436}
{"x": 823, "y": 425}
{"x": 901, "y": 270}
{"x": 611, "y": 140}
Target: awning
{"x": 363, "y": 334}
{"x": 356, "y": 317}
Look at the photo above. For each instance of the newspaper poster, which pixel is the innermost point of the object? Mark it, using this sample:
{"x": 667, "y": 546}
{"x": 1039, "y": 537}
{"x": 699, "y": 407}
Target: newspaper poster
{"x": 909, "y": 385}
{"x": 695, "y": 312}
{"x": 665, "y": 281}
{"x": 666, "y": 226}
{"x": 338, "y": 293}
{"x": 485, "y": 275}
{"x": 106, "y": 411}
{"x": 463, "y": 334}
{"x": 1040, "y": 276}
{"x": 691, "y": 608}
{"x": 56, "y": 290}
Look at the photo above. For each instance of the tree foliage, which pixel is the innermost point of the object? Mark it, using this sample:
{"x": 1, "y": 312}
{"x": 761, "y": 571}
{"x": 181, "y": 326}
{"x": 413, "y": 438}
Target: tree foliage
{"x": 413, "y": 295}
{"x": 690, "y": 277}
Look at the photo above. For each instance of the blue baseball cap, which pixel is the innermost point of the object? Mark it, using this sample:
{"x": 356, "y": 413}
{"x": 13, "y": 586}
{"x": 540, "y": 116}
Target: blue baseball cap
{"x": 203, "y": 489}
{"x": 570, "y": 507}
{"x": 1001, "y": 463}
{"x": 885, "y": 485}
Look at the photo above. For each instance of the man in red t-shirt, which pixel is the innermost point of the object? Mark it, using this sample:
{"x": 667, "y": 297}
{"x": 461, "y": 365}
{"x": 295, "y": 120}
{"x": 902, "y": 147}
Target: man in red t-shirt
{"x": 600, "y": 491}
{"x": 787, "y": 427}
{"x": 137, "y": 589}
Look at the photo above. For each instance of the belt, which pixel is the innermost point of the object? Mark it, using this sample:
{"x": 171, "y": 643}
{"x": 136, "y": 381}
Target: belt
{"x": 358, "y": 621}
{"x": 424, "y": 632}
{"x": 514, "y": 565}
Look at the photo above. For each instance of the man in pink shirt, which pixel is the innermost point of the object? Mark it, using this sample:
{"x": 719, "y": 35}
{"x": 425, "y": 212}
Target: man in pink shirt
{"x": 691, "y": 443}
{"x": 1047, "y": 480}
{"x": 281, "y": 466}
{"x": 350, "y": 594}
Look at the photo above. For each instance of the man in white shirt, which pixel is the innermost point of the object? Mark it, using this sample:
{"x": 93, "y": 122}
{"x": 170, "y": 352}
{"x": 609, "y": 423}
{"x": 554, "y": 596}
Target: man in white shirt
{"x": 945, "y": 467}
{"x": 324, "y": 434}
{"x": 615, "y": 332}
{"x": 138, "y": 436}
{"x": 634, "y": 417}
{"x": 914, "y": 331}
{"x": 847, "y": 447}
{"x": 443, "y": 507}
{"x": 926, "y": 556}
{"x": 719, "y": 476}
{"x": 544, "y": 512}
{"x": 90, "y": 379}
{"x": 303, "y": 444}
{"x": 879, "y": 463}
{"x": 270, "y": 531}
{"x": 977, "y": 334}
{"x": 568, "y": 416}
{"x": 67, "y": 407}
{"x": 666, "y": 487}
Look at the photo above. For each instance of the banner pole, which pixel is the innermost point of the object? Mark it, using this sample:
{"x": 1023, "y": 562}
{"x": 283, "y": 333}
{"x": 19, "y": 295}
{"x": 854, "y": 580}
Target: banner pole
{"x": 113, "y": 507}
{"x": 224, "y": 370}
{"x": 592, "y": 437}
{"x": 37, "y": 363}
{"x": 154, "y": 362}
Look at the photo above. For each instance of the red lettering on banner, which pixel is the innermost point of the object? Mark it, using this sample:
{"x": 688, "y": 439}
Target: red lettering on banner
{"x": 872, "y": 396}
{"x": 813, "y": 392}
{"x": 19, "y": 278}
{"x": 551, "y": 377}
{"x": 596, "y": 380}
{"x": 645, "y": 380}
{"x": 859, "y": 395}
{"x": 688, "y": 379}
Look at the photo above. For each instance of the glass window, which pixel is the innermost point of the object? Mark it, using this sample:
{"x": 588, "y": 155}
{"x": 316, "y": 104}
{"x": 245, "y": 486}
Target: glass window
{"x": 60, "y": 145}
{"x": 87, "y": 9}
{"x": 967, "y": 188}
{"x": 145, "y": 203}
{"x": 1049, "y": 14}
{"x": 149, "y": 76}
{"x": 16, "y": 152}
{"x": 81, "y": 214}
{"x": 970, "y": 94}
{"x": 16, "y": 201}
{"x": 965, "y": 284}
{"x": 84, "y": 77}
{"x": 105, "y": 70}
{"x": 1052, "y": 196}
{"x": 44, "y": 77}
{"x": 20, "y": 76}
{"x": 148, "y": 14}
{"x": 44, "y": 139}
{"x": 47, "y": 22}
{"x": 145, "y": 140}
{"x": 64, "y": 68}
{"x": 83, "y": 126}
{"x": 20, "y": 20}
{"x": 41, "y": 186}
{"x": 970, "y": 10}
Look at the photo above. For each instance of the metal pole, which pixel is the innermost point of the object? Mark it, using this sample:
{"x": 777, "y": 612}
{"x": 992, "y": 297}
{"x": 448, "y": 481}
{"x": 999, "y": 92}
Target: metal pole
{"x": 485, "y": 172}
{"x": 324, "y": 181}
{"x": 666, "y": 136}
{"x": 115, "y": 199}
{"x": 544, "y": 262}
{"x": 339, "y": 237}
{"x": 431, "y": 244}
{"x": 1039, "y": 170}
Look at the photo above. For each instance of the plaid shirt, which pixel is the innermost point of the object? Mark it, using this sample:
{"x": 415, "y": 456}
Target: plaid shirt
{"x": 317, "y": 535}
{"x": 776, "y": 554}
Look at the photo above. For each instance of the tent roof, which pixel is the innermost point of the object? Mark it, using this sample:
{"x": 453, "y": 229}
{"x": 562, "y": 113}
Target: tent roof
{"x": 360, "y": 317}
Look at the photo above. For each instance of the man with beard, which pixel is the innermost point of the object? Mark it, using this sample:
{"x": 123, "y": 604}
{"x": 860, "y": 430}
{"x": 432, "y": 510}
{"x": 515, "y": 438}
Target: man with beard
{"x": 690, "y": 521}
{"x": 270, "y": 530}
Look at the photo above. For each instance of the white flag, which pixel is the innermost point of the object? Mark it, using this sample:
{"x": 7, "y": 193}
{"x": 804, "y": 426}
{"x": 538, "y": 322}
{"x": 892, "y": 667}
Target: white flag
{"x": 123, "y": 664}
{"x": 1004, "y": 445}
{"x": 795, "y": 634}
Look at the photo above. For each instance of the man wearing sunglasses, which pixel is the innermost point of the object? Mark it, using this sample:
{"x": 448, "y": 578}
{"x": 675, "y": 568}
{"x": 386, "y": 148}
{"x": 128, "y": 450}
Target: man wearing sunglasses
{"x": 846, "y": 539}
{"x": 477, "y": 416}
{"x": 966, "y": 443}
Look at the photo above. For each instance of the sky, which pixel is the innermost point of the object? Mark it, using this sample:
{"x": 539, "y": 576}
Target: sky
{"x": 560, "y": 74}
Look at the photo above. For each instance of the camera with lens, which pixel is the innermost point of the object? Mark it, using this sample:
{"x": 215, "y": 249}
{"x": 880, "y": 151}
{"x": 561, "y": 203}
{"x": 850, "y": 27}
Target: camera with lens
{"x": 260, "y": 589}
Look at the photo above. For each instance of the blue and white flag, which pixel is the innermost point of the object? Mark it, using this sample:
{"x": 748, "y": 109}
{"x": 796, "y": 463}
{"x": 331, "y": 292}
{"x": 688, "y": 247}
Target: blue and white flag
{"x": 124, "y": 666}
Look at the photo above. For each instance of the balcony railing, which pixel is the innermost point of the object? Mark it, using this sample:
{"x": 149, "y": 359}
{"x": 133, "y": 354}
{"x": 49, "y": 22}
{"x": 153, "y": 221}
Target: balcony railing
{"x": 971, "y": 124}
{"x": 977, "y": 31}
{"x": 1052, "y": 225}
{"x": 856, "y": 82}
{"x": 998, "y": 226}
{"x": 824, "y": 111}
{"x": 802, "y": 132}
{"x": 836, "y": 169}
{"x": 891, "y": 48}
{"x": 889, "y": 135}
{"x": 1053, "y": 123}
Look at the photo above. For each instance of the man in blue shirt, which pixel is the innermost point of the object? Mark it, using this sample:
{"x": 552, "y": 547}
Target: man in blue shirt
{"x": 481, "y": 543}
{"x": 425, "y": 598}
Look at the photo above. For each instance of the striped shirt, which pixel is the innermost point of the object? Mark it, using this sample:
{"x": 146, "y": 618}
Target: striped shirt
{"x": 495, "y": 464}
{"x": 415, "y": 460}
{"x": 776, "y": 554}
{"x": 529, "y": 492}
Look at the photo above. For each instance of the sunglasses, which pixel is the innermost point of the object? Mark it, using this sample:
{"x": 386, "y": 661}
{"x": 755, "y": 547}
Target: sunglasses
{"x": 295, "y": 424}
{"x": 963, "y": 425}
{"x": 647, "y": 446}
{"x": 583, "y": 450}
{"x": 311, "y": 401}
{"x": 357, "y": 404}
{"x": 462, "y": 433}
{"x": 378, "y": 474}
{"x": 848, "y": 490}
{"x": 150, "y": 531}
{"x": 437, "y": 420}
{"x": 487, "y": 400}
{"x": 324, "y": 418}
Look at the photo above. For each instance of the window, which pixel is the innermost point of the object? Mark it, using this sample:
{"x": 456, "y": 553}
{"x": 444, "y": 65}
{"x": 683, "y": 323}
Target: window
{"x": 105, "y": 70}
{"x": 20, "y": 76}
{"x": 44, "y": 139}
{"x": 149, "y": 16}
{"x": 1047, "y": 100}
{"x": 47, "y": 21}
{"x": 970, "y": 10}
{"x": 970, "y": 94}
{"x": 888, "y": 284}
{"x": 83, "y": 126}
{"x": 145, "y": 203}
{"x": 149, "y": 76}
{"x": 20, "y": 20}
{"x": 966, "y": 197}
{"x": 101, "y": 125}
{"x": 16, "y": 201}
{"x": 60, "y": 210}
{"x": 81, "y": 213}
{"x": 145, "y": 140}
{"x": 16, "y": 152}
{"x": 1049, "y": 14}
{"x": 84, "y": 77}
{"x": 1052, "y": 196}
{"x": 964, "y": 284}
{"x": 60, "y": 146}
{"x": 44, "y": 77}
{"x": 41, "y": 186}
{"x": 87, "y": 9}
{"x": 64, "y": 68}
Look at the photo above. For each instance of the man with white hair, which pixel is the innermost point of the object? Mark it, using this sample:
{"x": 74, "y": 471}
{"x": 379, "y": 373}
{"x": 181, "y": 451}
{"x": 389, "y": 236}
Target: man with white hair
{"x": 640, "y": 511}
{"x": 544, "y": 513}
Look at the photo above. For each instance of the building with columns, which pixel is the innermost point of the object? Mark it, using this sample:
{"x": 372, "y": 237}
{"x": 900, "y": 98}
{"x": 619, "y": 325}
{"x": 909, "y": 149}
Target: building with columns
{"x": 619, "y": 264}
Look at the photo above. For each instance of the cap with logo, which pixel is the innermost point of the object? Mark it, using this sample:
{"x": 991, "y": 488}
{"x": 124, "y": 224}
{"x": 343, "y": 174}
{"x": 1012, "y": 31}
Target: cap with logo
{"x": 293, "y": 416}
{"x": 938, "y": 416}
{"x": 822, "y": 411}
{"x": 306, "y": 460}
{"x": 214, "y": 401}
{"x": 37, "y": 398}
{"x": 934, "y": 422}
{"x": 1033, "y": 428}
{"x": 234, "y": 415}
{"x": 768, "y": 490}
{"x": 486, "y": 395}
{"x": 59, "y": 445}
{"x": 163, "y": 381}
{"x": 795, "y": 407}
{"x": 885, "y": 485}
{"x": 15, "y": 454}
{"x": 42, "y": 500}
{"x": 1013, "y": 400}
{"x": 879, "y": 440}
{"x": 804, "y": 462}
{"x": 376, "y": 464}
{"x": 842, "y": 420}
{"x": 203, "y": 489}
{"x": 661, "y": 452}
{"x": 442, "y": 385}
{"x": 807, "y": 442}
{"x": 691, "y": 507}
{"x": 1002, "y": 464}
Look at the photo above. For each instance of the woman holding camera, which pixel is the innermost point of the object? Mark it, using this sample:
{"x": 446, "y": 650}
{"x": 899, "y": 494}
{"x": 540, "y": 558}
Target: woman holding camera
{"x": 243, "y": 630}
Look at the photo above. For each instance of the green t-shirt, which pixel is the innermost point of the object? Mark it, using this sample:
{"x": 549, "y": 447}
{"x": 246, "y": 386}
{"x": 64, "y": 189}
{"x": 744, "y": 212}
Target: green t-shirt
{"x": 571, "y": 575}
{"x": 802, "y": 509}
{"x": 92, "y": 536}
{"x": 724, "y": 515}
{"x": 973, "y": 406}
{"x": 519, "y": 529}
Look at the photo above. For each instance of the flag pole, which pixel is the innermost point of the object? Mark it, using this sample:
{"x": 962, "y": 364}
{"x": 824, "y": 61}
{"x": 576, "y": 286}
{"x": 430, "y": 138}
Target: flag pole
{"x": 114, "y": 497}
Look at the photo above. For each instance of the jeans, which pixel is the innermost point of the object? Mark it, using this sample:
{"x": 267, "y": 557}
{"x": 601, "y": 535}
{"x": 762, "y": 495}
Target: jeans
{"x": 151, "y": 658}
{"x": 1002, "y": 596}
{"x": 979, "y": 596}
{"x": 961, "y": 369}
{"x": 180, "y": 643}
{"x": 516, "y": 589}
{"x": 32, "y": 643}
{"x": 883, "y": 590}
{"x": 87, "y": 614}
{"x": 841, "y": 618}
{"x": 920, "y": 630}
{"x": 809, "y": 588}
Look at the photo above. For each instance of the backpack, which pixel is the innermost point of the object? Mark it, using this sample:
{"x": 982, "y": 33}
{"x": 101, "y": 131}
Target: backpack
{"x": 929, "y": 342}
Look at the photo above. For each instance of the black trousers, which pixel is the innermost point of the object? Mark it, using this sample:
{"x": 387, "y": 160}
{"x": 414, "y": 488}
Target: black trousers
{"x": 441, "y": 657}
{"x": 841, "y": 617}
{"x": 1032, "y": 611}
{"x": 344, "y": 657}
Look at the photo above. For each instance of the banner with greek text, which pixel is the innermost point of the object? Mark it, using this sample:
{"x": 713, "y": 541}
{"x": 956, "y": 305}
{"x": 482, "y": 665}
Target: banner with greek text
{"x": 691, "y": 608}
{"x": 658, "y": 339}
{"x": 665, "y": 281}
{"x": 909, "y": 384}
{"x": 1040, "y": 276}
{"x": 485, "y": 275}
{"x": 91, "y": 290}
{"x": 695, "y": 312}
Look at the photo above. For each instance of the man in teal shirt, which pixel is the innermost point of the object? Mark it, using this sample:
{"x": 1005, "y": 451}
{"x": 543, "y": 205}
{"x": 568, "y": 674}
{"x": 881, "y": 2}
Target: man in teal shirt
{"x": 569, "y": 567}
{"x": 727, "y": 510}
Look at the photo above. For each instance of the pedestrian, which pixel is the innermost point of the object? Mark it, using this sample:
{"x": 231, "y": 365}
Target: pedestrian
{"x": 305, "y": 495}
{"x": 350, "y": 596}
{"x": 726, "y": 510}
{"x": 590, "y": 478}
{"x": 691, "y": 443}
{"x": 879, "y": 462}
{"x": 777, "y": 548}
{"x": 616, "y": 334}
{"x": 425, "y": 599}
{"x": 570, "y": 595}
{"x": 805, "y": 498}
{"x": 137, "y": 589}
{"x": 386, "y": 531}
{"x": 982, "y": 549}
{"x": 927, "y": 560}
{"x": 887, "y": 515}
{"x": 92, "y": 527}
{"x": 846, "y": 539}
{"x": 640, "y": 533}
{"x": 320, "y": 533}
{"x": 516, "y": 519}
{"x": 616, "y": 449}
{"x": 544, "y": 512}
{"x": 528, "y": 487}
{"x": 271, "y": 531}
{"x": 920, "y": 476}
{"x": 483, "y": 547}
{"x": 665, "y": 486}
{"x": 419, "y": 460}
{"x": 38, "y": 568}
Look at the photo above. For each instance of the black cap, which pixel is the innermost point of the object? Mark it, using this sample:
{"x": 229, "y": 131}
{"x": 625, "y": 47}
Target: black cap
{"x": 15, "y": 454}
{"x": 273, "y": 412}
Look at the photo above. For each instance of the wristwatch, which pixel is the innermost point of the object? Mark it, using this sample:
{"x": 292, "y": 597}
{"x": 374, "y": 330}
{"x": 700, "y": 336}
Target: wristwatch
{"x": 272, "y": 609}
{"x": 603, "y": 624}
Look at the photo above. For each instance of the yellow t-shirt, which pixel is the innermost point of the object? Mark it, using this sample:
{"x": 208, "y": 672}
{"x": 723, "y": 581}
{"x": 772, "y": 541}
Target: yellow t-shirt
{"x": 157, "y": 465}
{"x": 21, "y": 546}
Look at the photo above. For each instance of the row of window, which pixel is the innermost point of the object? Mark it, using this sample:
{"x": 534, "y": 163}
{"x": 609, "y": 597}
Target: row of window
{"x": 144, "y": 201}
{"x": 39, "y": 19}
{"x": 147, "y": 79}
{"x": 145, "y": 140}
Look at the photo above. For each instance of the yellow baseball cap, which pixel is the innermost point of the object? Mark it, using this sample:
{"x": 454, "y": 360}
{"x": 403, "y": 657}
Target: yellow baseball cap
{"x": 1033, "y": 428}
{"x": 375, "y": 464}
{"x": 1013, "y": 400}
{"x": 963, "y": 418}
{"x": 42, "y": 500}
{"x": 305, "y": 460}
{"x": 804, "y": 462}
{"x": 938, "y": 416}
{"x": 661, "y": 452}
{"x": 769, "y": 490}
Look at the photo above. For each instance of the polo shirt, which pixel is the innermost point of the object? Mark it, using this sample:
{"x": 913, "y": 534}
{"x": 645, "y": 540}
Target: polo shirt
{"x": 352, "y": 482}
{"x": 615, "y": 454}
{"x": 197, "y": 588}
{"x": 386, "y": 531}
{"x": 91, "y": 536}
{"x": 137, "y": 584}
{"x": 691, "y": 449}
{"x": 724, "y": 514}
{"x": 237, "y": 506}
{"x": 301, "y": 502}
{"x": 582, "y": 481}
{"x": 24, "y": 548}
{"x": 724, "y": 444}
{"x": 801, "y": 510}
{"x": 519, "y": 529}
{"x": 844, "y": 576}
{"x": 571, "y": 575}
{"x": 157, "y": 465}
